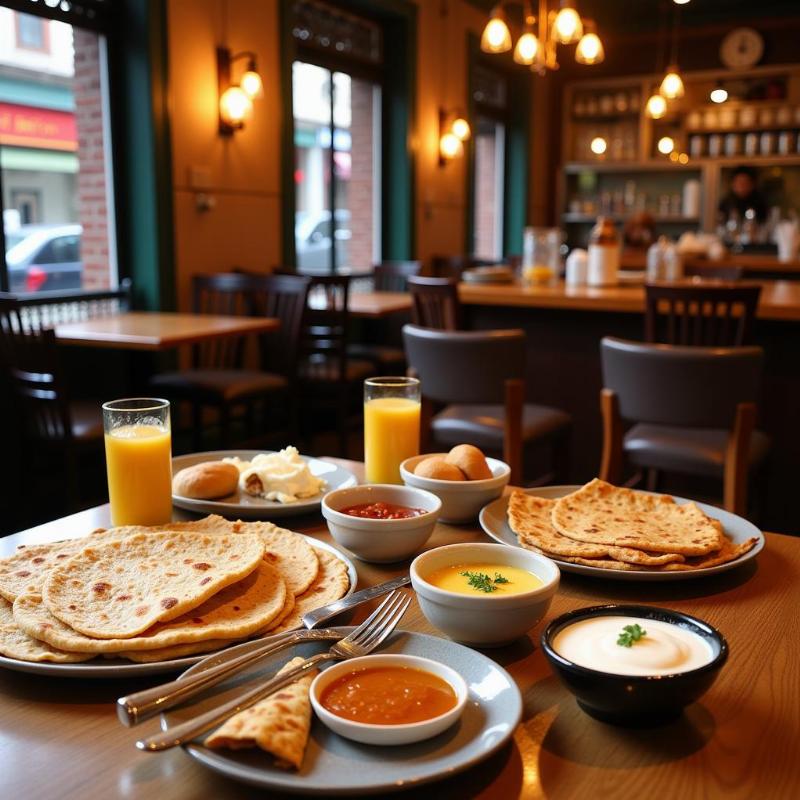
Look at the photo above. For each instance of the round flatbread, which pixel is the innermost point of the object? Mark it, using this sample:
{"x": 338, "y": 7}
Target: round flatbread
{"x": 530, "y": 518}
{"x": 120, "y": 589}
{"x": 15, "y": 643}
{"x": 331, "y": 583}
{"x": 235, "y": 612}
{"x": 177, "y": 651}
{"x": 599, "y": 513}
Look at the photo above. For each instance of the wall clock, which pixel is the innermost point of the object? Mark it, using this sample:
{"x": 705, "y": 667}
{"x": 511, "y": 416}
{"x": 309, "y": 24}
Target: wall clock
{"x": 742, "y": 48}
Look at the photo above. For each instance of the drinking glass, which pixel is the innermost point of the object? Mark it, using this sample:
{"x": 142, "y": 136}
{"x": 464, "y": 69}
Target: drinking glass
{"x": 138, "y": 460}
{"x": 391, "y": 426}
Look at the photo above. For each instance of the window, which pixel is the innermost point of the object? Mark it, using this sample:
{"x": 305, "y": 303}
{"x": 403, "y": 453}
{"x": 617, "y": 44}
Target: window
{"x": 337, "y": 140}
{"x": 55, "y": 163}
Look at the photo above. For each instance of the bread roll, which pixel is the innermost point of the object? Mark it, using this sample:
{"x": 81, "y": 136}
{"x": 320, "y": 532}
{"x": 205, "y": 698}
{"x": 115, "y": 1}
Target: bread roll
{"x": 206, "y": 481}
{"x": 436, "y": 467}
{"x": 470, "y": 460}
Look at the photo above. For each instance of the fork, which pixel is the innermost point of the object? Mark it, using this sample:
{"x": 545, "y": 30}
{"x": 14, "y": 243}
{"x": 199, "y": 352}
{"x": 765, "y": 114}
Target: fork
{"x": 363, "y": 640}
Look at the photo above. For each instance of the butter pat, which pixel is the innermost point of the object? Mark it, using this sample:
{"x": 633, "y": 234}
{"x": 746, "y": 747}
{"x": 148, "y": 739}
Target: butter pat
{"x": 282, "y": 476}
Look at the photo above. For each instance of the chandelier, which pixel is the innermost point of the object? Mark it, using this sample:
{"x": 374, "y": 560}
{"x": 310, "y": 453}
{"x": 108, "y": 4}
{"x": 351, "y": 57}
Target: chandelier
{"x": 536, "y": 46}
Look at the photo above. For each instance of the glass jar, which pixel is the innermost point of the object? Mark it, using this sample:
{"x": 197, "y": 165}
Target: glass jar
{"x": 541, "y": 255}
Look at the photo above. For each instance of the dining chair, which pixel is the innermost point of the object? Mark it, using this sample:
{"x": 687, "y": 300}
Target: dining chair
{"x": 435, "y": 303}
{"x": 51, "y": 423}
{"x": 479, "y": 377}
{"x": 704, "y": 314}
{"x": 454, "y": 266}
{"x": 392, "y": 276}
{"x": 327, "y": 377}
{"x": 693, "y": 409}
{"x": 218, "y": 377}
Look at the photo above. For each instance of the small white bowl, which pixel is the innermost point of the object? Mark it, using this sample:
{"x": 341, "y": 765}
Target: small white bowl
{"x": 381, "y": 541}
{"x": 461, "y": 500}
{"x": 484, "y": 620}
{"x": 389, "y": 734}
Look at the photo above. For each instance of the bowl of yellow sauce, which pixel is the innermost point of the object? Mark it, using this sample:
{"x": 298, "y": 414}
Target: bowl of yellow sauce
{"x": 485, "y": 595}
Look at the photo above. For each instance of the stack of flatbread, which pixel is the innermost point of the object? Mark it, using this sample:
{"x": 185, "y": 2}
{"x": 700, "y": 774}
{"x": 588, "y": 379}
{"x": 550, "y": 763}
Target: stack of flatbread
{"x": 601, "y": 525}
{"x": 152, "y": 594}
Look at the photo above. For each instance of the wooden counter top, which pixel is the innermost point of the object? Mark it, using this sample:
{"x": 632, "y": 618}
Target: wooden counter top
{"x": 779, "y": 299}
{"x": 750, "y": 263}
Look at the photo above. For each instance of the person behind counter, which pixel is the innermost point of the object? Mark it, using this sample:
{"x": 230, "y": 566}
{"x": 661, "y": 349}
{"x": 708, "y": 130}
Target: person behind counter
{"x": 743, "y": 195}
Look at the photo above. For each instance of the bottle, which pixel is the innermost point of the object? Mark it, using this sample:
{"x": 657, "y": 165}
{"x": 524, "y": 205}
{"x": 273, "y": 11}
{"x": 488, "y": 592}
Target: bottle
{"x": 603, "y": 260}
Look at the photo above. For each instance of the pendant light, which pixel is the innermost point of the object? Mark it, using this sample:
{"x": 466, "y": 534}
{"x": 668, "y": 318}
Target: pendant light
{"x": 527, "y": 47}
{"x": 567, "y": 26}
{"x": 672, "y": 85}
{"x": 590, "y": 48}
{"x": 496, "y": 37}
{"x": 656, "y": 106}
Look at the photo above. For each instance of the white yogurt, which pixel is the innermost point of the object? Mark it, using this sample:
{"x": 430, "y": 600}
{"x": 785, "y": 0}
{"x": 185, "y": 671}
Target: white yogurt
{"x": 283, "y": 476}
{"x": 665, "y": 649}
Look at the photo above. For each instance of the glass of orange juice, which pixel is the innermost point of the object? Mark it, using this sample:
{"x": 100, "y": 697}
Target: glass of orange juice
{"x": 391, "y": 426}
{"x": 138, "y": 460}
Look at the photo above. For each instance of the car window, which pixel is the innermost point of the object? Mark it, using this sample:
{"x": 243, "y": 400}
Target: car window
{"x": 321, "y": 231}
{"x": 62, "y": 250}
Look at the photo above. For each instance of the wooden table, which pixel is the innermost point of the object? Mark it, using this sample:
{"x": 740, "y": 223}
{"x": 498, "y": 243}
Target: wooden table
{"x": 61, "y": 739}
{"x": 780, "y": 300}
{"x": 146, "y": 330}
{"x": 369, "y": 305}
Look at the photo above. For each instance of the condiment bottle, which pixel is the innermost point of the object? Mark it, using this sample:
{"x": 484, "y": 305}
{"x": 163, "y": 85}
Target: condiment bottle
{"x": 603, "y": 260}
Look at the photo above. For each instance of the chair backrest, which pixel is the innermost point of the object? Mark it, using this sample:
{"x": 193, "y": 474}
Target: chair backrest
{"x": 465, "y": 366}
{"x": 392, "y": 276}
{"x": 326, "y": 321}
{"x": 435, "y": 303}
{"x": 709, "y": 315}
{"x": 697, "y": 387}
{"x": 30, "y": 363}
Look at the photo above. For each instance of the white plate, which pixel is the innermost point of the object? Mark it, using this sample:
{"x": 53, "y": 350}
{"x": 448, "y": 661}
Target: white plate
{"x": 334, "y": 765}
{"x": 244, "y": 505}
{"x": 494, "y": 521}
{"x": 119, "y": 668}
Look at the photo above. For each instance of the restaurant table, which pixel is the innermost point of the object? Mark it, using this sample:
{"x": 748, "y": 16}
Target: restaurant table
{"x": 157, "y": 330}
{"x": 370, "y": 305}
{"x": 61, "y": 738}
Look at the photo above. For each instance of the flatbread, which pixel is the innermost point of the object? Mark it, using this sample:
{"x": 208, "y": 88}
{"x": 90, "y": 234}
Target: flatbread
{"x": 14, "y": 643}
{"x": 121, "y": 588}
{"x": 178, "y": 651}
{"x": 287, "y": 609}
{"x": 600, "y": 513}
{"x": 279, "y": 724}
{"x": 235, "y": 612}
{"x": 530, "y": 518}
{"x": 6, "y": 614}
{"x": 332, "y": 583}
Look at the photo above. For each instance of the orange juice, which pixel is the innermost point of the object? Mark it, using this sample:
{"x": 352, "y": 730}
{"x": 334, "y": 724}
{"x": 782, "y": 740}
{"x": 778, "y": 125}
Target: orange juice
{"x": 138, "y": 461}
{"x": 391, "y": 435}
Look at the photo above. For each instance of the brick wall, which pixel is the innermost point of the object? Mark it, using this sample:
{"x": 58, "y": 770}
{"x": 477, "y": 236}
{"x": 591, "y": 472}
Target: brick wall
{"x": 360, "y": 187}
{"x": 92, "y": 204}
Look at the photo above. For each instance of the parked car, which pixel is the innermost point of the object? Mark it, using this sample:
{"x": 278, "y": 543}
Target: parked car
{"x": 312, "y": 233}
{"x": 44, "y": 258}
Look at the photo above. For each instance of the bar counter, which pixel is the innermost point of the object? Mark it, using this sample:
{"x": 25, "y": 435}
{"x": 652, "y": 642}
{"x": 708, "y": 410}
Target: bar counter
{"x": 780, "y": 300}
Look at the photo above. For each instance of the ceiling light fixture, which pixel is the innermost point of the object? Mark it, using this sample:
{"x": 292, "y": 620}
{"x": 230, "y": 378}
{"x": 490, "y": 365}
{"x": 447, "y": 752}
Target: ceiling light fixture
{"x": 496, "y": 37}
{"x": 656, "y": 106}
{"x": 590, "y": 48}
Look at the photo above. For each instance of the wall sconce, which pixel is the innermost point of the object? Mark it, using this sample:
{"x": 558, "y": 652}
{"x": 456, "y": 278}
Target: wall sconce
{"x": 236, "y": 100}
{"x": 454, "y": 130}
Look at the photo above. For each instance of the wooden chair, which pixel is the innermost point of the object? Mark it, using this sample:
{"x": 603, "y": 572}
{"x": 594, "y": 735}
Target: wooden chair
{"x": 218, "y": 377}
{"x": 327, "y": 377}
{"x": 479, "y": 376}
{"x": 51, "y": 424}
{"x": 706, "y": 314}
{"x": 694, "y": 409}
{"x": 435, "y": 303}
{"x": 392, "y": 276}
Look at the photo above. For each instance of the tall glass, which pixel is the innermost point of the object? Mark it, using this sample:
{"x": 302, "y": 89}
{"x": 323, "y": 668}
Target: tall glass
{"x": 138, "y": 460}
{"x": 391, "y": 426}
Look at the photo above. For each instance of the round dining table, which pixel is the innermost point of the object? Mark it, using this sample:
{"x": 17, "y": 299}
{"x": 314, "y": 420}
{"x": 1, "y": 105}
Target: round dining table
{"x": 60, "y": 738}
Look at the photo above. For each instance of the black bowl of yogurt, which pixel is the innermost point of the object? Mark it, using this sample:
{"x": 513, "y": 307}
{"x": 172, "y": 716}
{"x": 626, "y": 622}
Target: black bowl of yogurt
{"x": 634, "y": 665}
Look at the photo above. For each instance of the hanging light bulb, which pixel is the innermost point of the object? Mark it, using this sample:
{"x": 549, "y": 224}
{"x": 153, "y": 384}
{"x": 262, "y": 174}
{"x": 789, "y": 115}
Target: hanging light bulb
{"x": 567, "y": 26}
{"x": 719, "y": 94}
{"x": 666, "y": 144}
{"x": 656, "y": 106}
{"x": 251, "y": 84}
{"x": 672, "y": 85}
{"x": 590, "y": 48}
{"x": 235, "y": 106}
{"x": 450, "y": 146}
{"x": 496, "y": 37}
{"x": 460, "y": 129}
{"x": 527, "y": 45}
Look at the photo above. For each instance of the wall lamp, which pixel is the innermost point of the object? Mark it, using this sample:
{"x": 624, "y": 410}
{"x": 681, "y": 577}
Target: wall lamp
{"x": 454, "y": 130}
{"x": 236, "y": 100}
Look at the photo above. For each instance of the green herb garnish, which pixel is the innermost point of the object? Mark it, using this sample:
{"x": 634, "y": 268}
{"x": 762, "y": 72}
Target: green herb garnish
{"x": 630, "y": 634}
{"x": 482, "y": 582}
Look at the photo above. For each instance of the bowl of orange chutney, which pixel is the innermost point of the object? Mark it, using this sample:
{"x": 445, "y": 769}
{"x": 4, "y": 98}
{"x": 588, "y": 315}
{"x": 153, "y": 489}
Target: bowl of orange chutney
{"x": 388, "y": 699}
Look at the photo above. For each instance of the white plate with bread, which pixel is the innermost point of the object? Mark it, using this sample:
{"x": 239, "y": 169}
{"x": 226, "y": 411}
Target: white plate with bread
{"x": 217, "y": 482}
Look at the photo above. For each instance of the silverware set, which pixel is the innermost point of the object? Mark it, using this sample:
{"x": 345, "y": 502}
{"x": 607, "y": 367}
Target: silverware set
{"x": 136, "y": 708}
